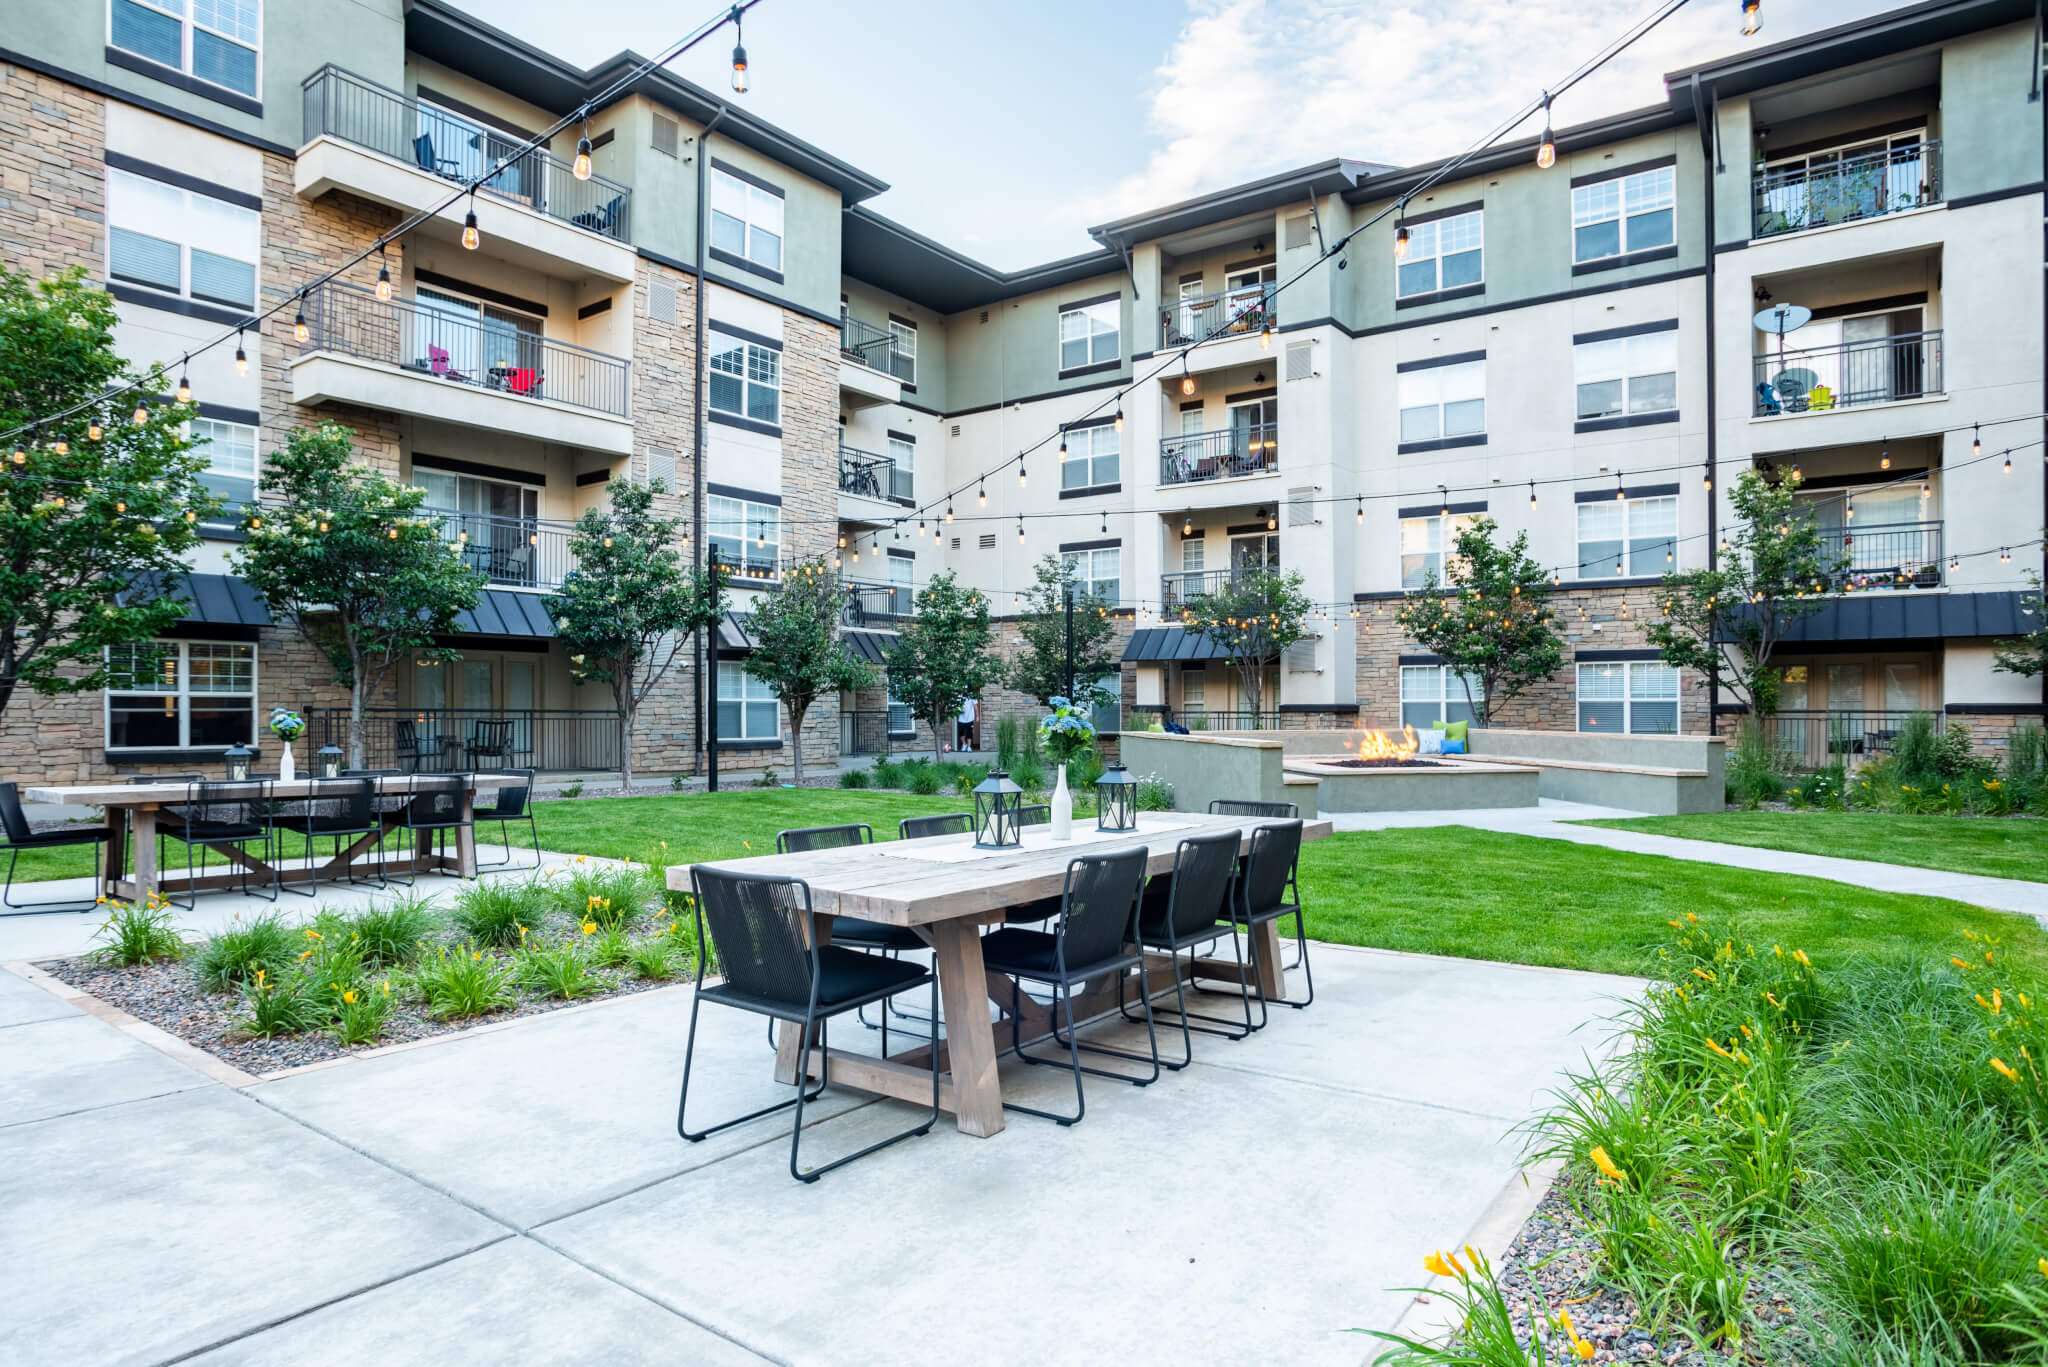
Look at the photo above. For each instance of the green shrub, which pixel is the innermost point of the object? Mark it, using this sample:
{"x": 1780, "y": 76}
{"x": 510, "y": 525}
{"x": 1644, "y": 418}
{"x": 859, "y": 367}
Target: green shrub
{"x": 1824, "y": 788}
{"x": 608, "y": 894}
{"x": 494, "y": 913}
{"x": 561, "y": 971}
{"x": 1155, "y": 794}
{"x": 853, "y": 778}
{"x": 1916, "y": 750}
{"x": 609, "y": 948}
{"x": 887, "y": 773}
{"x": 1030, "y": 739}
{"x": 463, "y": 981}
{"x": 229, "y": 960}
{"x": 360, "y": 1015}
{"x": 1029, "y": 773}
{"x": 654, "y": 958}
{"x": 330, "y": 968}
{"x": 572, "y": 789}
{"x": 1007, "y": 750}
{"x": 1753, "y": 769}
{"x": 138, "y": 933}
{"x": 1953, "y": 755}
{"x": 768, "y": 778}
{"x": 277, "y": 1005}
{"x": 677, "y": 782}
{"x": 393, "y": 933}
{"x": 925, "y": 781}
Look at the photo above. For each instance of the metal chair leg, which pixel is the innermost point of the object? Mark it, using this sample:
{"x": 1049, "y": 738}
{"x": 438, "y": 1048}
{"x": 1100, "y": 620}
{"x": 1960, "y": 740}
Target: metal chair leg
{"x": 98, "y": 885}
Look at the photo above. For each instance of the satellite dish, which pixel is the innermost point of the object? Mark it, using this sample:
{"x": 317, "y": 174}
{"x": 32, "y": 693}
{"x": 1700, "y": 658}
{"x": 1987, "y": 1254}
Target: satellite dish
{"x": 1783, "y": 318}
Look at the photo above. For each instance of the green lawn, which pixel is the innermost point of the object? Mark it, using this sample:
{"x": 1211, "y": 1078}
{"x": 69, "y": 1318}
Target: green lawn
{"x": 2014, "y": 847}
{"x": 727, "y": 825}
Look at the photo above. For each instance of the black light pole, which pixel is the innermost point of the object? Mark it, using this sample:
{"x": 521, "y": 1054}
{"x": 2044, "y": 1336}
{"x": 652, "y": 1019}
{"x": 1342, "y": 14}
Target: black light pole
{"x": 1070, "y": 640}
{"x": 711, "y": 676}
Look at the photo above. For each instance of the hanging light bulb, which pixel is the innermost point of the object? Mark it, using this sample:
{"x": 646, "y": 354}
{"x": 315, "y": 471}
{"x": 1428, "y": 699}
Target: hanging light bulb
{"x": 1273, "y": 519}
{"x": 581, "y": 169}
{"x": 1955, "y": 563}
{"x": 1884, "y": 460}
{"x": 61, "y": 447}
{"x": 93, "y": 431}
{"x": 1546, "y": 150}
{"x": 1266, "y": 336}
{"x": 1976, "y": 441}
{"x": 1021, "y": 473}
{"x": 383, "y": 276}
{"x": 1401, "y": 233}
{"x": 739, "y": 55}
{"x": 20, "y": 456}
{"x": 1105, "y": 522}
{"x": 949, "y": 512}
{"x": 1187, "y": 381}
{"x": 984, "y": 494}
{"x": 299, "y": 321}
{"x": 1532, "y": 495}
{"x": 2004, "y": 556}
{"x": 1752, "y": 17}
{"x": 1118, "y": 424}
{"x": 842, "y": 541}
{"x": 1063, "y": 442}
{"x": 1926, "y": 490}
{"x": 471, "y": 238}
{"x": 2008, "y": 462}
{"x": 1360, "y": 518}
{"x": 1707, "y": 478}
{"x": 1187, "y": 525}
{"x": 141, "y": 413}
{"x": 241, "y": 356}
{"x": 1020, "y": 529}
{"x": 184, "y": 385}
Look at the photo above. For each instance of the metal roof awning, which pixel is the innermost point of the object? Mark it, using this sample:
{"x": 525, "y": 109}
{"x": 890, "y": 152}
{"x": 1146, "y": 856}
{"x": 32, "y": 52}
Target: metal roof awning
{"x": 209, "y": 599}
{"x": 504, "y": 612}
{"x": 1914, "y": 617}
{"x": 872, "y": 646}
{"x": 1161, "y": 645}
{"x": 733, "y": 634}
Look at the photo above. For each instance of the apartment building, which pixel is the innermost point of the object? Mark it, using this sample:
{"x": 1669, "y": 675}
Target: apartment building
{"x": 1584, "y": 333}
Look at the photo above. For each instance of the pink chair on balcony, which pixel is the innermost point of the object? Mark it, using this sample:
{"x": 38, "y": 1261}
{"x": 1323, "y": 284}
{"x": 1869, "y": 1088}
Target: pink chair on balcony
{"x": 437, "y": 361}
{"x": 524, "y": 381}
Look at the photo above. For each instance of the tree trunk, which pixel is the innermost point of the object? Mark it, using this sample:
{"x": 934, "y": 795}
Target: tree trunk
{"x": 626, "y": 710}
{"x": 796, "y": 741}
{"x": 937, "y": 721}
{"x": 356, "y": 746}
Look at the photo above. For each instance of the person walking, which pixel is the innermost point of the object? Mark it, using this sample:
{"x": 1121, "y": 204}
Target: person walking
{"x": 963, "y": 727}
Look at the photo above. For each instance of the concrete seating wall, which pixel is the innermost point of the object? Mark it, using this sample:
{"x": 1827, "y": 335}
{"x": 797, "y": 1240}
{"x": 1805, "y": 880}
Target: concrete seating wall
{"x": 1665, "y": 775}
{"x": 1212, "y": 765}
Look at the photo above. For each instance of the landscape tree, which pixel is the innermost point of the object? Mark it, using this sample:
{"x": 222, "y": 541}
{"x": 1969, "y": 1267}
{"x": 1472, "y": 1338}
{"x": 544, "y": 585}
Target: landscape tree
{"x": 942, "y": 656}
{"x": 797, "y": 650}
{"x": 1492, "y": 622}
{"x": 1254, "y": 617}
{"x": 1775, "y": 567}
{"x": 353, "y": 561}
{"x": 625, "y": 612}
{"x": 90, "y": 505}
{"x": 2027, "y": 655}
{"x": 1040, "y": 667}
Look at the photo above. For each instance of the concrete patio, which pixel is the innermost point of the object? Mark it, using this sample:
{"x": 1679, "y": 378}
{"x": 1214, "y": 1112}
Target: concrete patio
{"x": 519, "y": 1194}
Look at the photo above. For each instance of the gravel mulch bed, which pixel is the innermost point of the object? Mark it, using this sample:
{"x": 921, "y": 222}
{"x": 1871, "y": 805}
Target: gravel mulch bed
{"x": 166, "y": 995}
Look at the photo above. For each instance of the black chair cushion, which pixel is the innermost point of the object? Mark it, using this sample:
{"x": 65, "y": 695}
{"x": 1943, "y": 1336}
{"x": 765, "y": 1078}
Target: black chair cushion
{"x": 199, "y": 832}
{"x": 874, "y": 934}
{"x": 1031, "y": 913}
{"x": 73, "y": 835}
{"x": 328, "y": 825}
{"x": 1272, "y": 913}
{"x": 846, "y": 975}
{"x": 1033, "y": 954}
{"x": 1154, "y": 931}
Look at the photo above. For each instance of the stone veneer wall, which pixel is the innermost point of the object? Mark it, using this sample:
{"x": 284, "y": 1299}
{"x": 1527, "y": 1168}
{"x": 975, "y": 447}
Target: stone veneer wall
{"x": 53, "y": 175}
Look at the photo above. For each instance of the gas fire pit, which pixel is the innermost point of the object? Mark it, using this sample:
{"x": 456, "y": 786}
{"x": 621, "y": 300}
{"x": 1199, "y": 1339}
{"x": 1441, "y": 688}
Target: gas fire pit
{"x": 1382, "y": 773}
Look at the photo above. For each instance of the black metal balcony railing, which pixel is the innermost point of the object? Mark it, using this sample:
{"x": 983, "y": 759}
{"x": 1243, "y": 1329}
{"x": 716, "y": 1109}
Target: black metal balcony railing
{"x": 870, "y": 605}
{"x": 1816, "y": 739}
{"x": 1179, "y": 589}
{"x": 1248, "y": 308}
{"x": 1869, "y": 186}
{"x": 1202, "y": 719}
{"x": 874, "y": 476}
{"x": 743, "y": 560}
{"x": 878, "y": 731}
{"x": 1848, "y": 374}
{"x": 520, "y": 552}
{"x": 343, "y": 105}
{"x": 461, "y": 349}
{"x": 1895, "y": 555}
{"x": 1196, "y": 456}
{"x": 444, "y": 739}
{"x": 875, "y": 348}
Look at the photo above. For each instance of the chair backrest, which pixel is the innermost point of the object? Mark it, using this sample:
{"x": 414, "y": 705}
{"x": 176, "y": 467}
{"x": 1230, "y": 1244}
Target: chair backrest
{"x": 1270, "y": 866}
{"x": 1245, "y": 806}
{"x": 760, "y": 930}
{"x": 522, "y": 381}
{"x": 436, "y": 799}
{"x": 918, "y": 827}
{"x": 227, "y": 804}
{"x": 423, "y": 151}
{"x": 488, "y": 733}
{"x": 1040, "y": 815}
{"x": 438, "y": 359}
{"x": 510, "y": 799}
{"x": 823, "y": 838}
{"x": 406, "y": 735}
{"x": 1203, "y": 868}
{"x": 1098, "y": 913}
{"x": 351, "y": 799}
{"x": 11, "y": 816}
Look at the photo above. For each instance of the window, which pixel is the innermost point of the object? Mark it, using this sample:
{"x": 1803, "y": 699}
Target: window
{"x": 1443, "y": 401}
{"x": 230, "y": 458}
{"x": 1443, "y": 254}
{"x": 746, "y": 705}
{"x": 745, "y": 534}
{"x": 218, "y": 42}
{"x": 1108, "y": 712}
{"x": 460, "y": 338}
{"x": 493, "y": 521}
{"x": 746, "y": 378}
{"x": 1623, "y": 215}
{"x": 903, "y": 351}
{"x": 746, "y": 220}
{"x": 901, "y": 723}
{"x": 1091, "y": 457}
{"x": 165, "y": 695}
{"x": 1098, "y": 571}
{"x": 1627, "y": 375}
{"x": 1424, "y": 541}
{"x": 902, "y": 590}
{"x": 1635, "y": 537}
{"x": 151, "y": 229}
{"x": 1088, "y": 334}
{"x": 1191, "y": 554}
{"x": 1629, "y": 697}
{"x": 1431, "y": 693}
{"x": 1194, "y": 686}
{"x": 904, "y": 453}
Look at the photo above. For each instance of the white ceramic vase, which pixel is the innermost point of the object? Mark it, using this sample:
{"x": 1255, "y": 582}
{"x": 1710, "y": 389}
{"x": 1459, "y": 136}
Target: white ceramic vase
{"x": 1062, "y": 809}
{"x": 286, "y": 770}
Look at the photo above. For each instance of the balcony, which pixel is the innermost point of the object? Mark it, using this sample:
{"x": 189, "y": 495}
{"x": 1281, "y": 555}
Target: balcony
{"x": 745, "y": 562}
{"x": 1817, "y": 739}
{"x": 429, "y": 739}
{"x": 372, "y": 141}
{"x": 1849, "y": 375}
{"x": 871, "y": 369}
{"x": 1248, "y": 309}
{"x": 1232, "y": 453}
{"x": 510, "y": 552}
{"x": 863, "y": 474}
{"x": 1897, "y": 555}
{"x": 1845, "y": 191}
{"x": 401, "y": 357}
{"x": 875, "y": 605}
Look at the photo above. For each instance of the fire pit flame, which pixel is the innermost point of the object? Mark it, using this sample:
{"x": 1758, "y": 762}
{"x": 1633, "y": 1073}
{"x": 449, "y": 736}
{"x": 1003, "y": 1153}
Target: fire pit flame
{"x": 1379, "y": 745}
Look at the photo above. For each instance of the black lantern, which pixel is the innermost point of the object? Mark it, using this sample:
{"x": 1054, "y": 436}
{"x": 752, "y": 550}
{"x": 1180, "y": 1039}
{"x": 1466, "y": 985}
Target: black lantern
{"x": 998, "y": 812}
{"x": 237, "y": 761}
{"x": 1116, "y": 800}
{"x": 329, "y": 761}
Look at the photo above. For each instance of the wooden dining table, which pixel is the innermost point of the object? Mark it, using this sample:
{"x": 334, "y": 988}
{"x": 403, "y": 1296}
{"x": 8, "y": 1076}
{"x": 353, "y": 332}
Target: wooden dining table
{"x": 945, "y": 888}
{"x": 135, "y": 811}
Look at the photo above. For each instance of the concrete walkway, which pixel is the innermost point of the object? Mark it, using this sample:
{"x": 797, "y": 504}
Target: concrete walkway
{"x": 520, "y": 1195}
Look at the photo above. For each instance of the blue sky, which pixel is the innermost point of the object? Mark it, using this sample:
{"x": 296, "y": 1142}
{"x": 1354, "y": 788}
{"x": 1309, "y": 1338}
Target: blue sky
{"x": 1005, "y": 130}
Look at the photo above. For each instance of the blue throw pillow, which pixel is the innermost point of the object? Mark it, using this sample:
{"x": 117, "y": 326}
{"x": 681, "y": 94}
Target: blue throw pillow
{"x": 1453, "y": 747}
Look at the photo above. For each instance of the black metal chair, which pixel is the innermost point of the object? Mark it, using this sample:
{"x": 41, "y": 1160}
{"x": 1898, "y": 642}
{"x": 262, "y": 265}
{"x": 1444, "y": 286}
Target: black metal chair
{"x": 230, "y": 813}
{"x": 1245, "y": 806}
{"x": 497, "y": 740}
{"x": 1041, "y": 815}
{"x": 337, "y": 809}
{"x": 1267, "y": 891}
{"x": 919, "y": 827}
{"x": 20, "y": 836}
{"x": 433, "y": 806}
{"x": 1191, "y": 907}
{"x": 512, "y": 802}
{"x": 774, "y": 966}
{"x": 1098, "y": 927}
{"x": 853, "y": 931}
{"x": 409, "y": 749}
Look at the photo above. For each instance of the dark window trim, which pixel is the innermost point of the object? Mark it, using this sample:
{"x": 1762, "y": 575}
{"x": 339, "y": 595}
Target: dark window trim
{"x": 745, "y": 495}
{"x": 1115, "y": 542}
{"x": 1628, "y": 492}
{"x": 1092, "y": 491}
{"x": 1192, "y": 405}
{"x": 1632, "y": 330}
{"x": 590, "y": 477}
{"x": 1993, "y": 196}
{"x": 1612, "y": 263}
{"x": 1851, "y": 481}
{"x": 221, "y": 531}
{"x": 758, "y": 339}
{"x": 1070, "y": 306}
{"x": 1452, "y": 211}
{"x": 174, "y": 303}
{"x": 902, "y": 554}
{"x": 1436, "y": 509}
{"x": 1434, "y": 362}
{"x": 1595, "y": 657}
{"x": 725, "y": 419}
{"x": 1251, "y": 529}
{"x": 241, "y": 199}
{"x": 1082, "y": 424}
{"x": 1190, "y": 278}
{"x": 741, "y": 173}
{"x": 725, "y": 257}
{"x": 1271, "y": 391}
{"x": 220, "y": 412}
{"x": 435, "y": 280}
{"x": 1420, "y": 660}
{"x": 604, "y": 139}
{"x": 1496, "y": 310}
{"x": 191, "y": 85}
{"x": 1627, "y": 420}
{"x": 1883, "y": 305}
{"x": 901, "y": 436}
{"x": 901, "y": 321}
{"x": 1439, "y": 296}
{"x": 481, "y": 115}
{"x": 1630, "y": 169}
{"x": 603, "y": 305}
{"x": 1256, "y": 263}
{"x": 1408, "y": 448}
{"x": 1033, "y": 398}
{"x": 192, "y": 754}
{"x": 500, "y": 473}
{"x": 1096, "y": 369}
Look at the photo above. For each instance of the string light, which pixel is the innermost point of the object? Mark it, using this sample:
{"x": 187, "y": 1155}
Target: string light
{"x": 1266, "y": 335}
{"x": 1361, "y": 507}
{"x": 299, "y": 320}
{"x": 1884, "y": 460}
{"x": 383, "y": 275}
{"x": 1063, "y": 441}
{"x": 1187, "y": 381}
{"x": 93, "y": 431}
{"x": 471, "y": 238}
{"x": 61, "y": 447}
{"x": 2008, "y": 461}
{"x": 739, "y": 55}
{"x": 949, "y": 511}
{"x": 1619, "y": 492}
{"x": 241, "y": 356}
{"x": 582, "y": 168}
{"x": 1119, "y": 423}
{"x": 1020, "y": 529}
{"x": 1187, "y": 525}
{"x": 984, "y": 493}
{"x": 1532, "y": 495}
{"x": 1020, "y": 472}
{"x": 1546, "y": 150}
{"x": 184, "y": 381}
{"x": 1752, "y": 17}
{"x": 141, "y": 413}
{"x": 1707, "y": 477}
{"x": 1401, "y": 231}
{"x": 1105, "y": 522}
{"x": 1955, "y": 562}
{"x": 1976, "y": 441}
{"x": 1926, "y": 490}
{"x": 1444, "y": 497}
{"x": 2004, "y": 556}
{"x": 1273, "y": 519}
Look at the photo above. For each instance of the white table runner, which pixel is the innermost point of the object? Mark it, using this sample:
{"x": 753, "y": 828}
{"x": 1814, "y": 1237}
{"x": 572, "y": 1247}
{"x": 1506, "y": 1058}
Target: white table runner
{"x": 960, "y": 849}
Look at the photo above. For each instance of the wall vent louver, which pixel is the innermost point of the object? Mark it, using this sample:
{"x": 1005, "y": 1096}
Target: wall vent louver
{"x": 661, "y": 302}
{"x": 1301, "y": 360}
{"x": 1295, "y": 232}
{"x": 665, "y": 130}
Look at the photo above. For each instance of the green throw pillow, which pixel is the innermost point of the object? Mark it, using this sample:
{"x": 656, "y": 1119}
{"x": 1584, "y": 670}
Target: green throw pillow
{"x": 1456, "y": 730}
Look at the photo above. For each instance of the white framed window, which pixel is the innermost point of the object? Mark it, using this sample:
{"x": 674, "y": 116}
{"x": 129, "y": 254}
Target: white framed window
{"x": 155, "y": 234}
{"x": 218, "y": 41}
{"x": 1627, "y": 375}
{"x": 176, "y": 695}
{"x": 746, "y": 220}
{"x": 1088, "y": 335}
{"x": 745, "y": 534}
{"x": 1194, "y": 685}
{"x": 1623, "y": 215}
{"x": 1443, "y": 254}
{"x": 1099, "y": 571}
{"x": 747, "y": 709}
{"x": 1443, "y": 401}
{"x": 1636, "y": 537}
{"x": 1428, "y": 547}
{"x": 746, "y": 378}
{"x": 903, "y": 350}
{"x": 904, "y": 453}
{"x": 1629, "y": 698}
{"x": 1432, "y": 693}
{"x": 1192, "y": 552}
{"x": 1091, "y": 457}
{"x": 230, "y": 449}
{"x": 901, "y": 723}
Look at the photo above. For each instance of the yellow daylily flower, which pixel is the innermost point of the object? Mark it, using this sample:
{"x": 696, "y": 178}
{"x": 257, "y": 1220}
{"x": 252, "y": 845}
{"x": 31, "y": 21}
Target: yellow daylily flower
{"x": 1606, "y": 1164}
{"x": 1800, "y": 955}
{"x": 590, "y": 927}
{"x": 2006, "y": 1069}
{"x": 2043, "y": 1265}
{"x": 349, "y": 997}
{"x": 1966, "y": 967}
{"x": 1437, "y": 1264}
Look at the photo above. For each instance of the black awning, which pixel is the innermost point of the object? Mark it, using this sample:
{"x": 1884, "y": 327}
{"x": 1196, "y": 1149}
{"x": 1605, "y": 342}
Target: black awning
{"x": 733, "y": 634}
{"x": 872, "y": 646}
{"x": 211, "y": 599}
{"x": 503, "y": 612}
{"x": 1153, "y": 645}
{"x": 1877, "y": 616}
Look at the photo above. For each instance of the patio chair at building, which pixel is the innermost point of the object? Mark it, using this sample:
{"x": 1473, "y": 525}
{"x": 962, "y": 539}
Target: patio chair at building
{"x": 497, "y": 739}
{"x": 410, "y": 748}
{"x": 433, "y": 807}
{"x": 512, "y": 802}
{"x": 20, "y": 836}
{"x": 1097, "y": 929}
{"x": 1268, "y": 891}
{"x": 1190, "y": 907}
{"x": 234, "y": 814}
{"x": 774, "y": 967}
{"x": 334, "y": 809}
{"x": 601, "y": 220}
{"x": 919, "y": 827}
